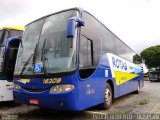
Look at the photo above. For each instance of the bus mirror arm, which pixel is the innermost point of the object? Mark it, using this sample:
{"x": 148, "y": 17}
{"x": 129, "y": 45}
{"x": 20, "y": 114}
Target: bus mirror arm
{"x": 71, "y": 26}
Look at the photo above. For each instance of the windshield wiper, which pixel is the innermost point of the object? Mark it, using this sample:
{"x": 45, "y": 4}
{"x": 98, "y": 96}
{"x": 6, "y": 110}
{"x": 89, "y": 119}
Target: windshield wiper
{"x": 26, "y": 63}
{"x": 28, "y": 60}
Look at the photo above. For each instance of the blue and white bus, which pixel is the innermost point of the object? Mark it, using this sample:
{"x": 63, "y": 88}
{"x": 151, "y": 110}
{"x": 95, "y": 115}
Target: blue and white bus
{"x": 70, "y": 61}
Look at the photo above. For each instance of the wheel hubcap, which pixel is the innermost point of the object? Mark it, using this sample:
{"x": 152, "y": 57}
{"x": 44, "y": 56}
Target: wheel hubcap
{"x": 108, "y": 96}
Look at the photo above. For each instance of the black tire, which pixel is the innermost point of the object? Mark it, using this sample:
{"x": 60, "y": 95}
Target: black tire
{"x": 138, "y": 88}
{"x": 108, "y": 97}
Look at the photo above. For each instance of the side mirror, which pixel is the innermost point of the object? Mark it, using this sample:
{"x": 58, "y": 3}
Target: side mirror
{"x": 72, "y": 26}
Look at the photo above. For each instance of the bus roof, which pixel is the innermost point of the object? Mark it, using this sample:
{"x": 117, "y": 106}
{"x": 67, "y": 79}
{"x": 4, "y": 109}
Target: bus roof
{"x": 13, "y": 27}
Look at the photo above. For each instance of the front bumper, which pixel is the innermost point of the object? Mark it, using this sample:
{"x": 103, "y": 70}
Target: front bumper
{"x": 61, "y": 101}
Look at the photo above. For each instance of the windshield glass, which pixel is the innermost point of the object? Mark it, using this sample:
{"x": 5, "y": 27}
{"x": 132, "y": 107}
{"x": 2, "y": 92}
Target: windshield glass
{"x": 26, "y": 51}
{"x": 15, "y": 33}
{"x": 153, "y": 75}
{"x": 53, "y": 49}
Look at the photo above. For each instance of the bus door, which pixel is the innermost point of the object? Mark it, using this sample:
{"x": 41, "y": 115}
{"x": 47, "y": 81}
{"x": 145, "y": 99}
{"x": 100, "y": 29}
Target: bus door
{"x": 9, "y": 59}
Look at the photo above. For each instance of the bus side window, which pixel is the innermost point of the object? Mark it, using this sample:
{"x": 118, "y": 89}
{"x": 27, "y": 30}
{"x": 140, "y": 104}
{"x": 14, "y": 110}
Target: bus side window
{"x": 86, "y": 58}
{"x": 90, "y": 33}
{"x": 6, "y": 34}
{"x": 85, "y": 53}
{"x": 2, "y": 37}
{"x": 91, "y": 30}
{"x": 112, "y": 44}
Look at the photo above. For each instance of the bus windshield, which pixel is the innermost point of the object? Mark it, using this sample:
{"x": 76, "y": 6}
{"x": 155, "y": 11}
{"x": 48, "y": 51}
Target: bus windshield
{"x": 15, "y": 33}
{"x": 45, "y": 42}
{"x": 153, "y": 74}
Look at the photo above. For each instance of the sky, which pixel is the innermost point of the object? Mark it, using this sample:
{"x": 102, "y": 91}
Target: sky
{"x": 136, "y": 22}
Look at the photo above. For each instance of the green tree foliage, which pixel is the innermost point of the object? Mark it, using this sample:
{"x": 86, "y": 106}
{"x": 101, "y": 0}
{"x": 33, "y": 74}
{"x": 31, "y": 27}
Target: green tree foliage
{"x": 137, "y": 59}
{"x": 151, "y": 57}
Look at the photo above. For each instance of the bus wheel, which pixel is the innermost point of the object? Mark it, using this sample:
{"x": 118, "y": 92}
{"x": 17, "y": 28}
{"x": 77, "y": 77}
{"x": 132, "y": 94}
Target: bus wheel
{"x": 108, "y": 97}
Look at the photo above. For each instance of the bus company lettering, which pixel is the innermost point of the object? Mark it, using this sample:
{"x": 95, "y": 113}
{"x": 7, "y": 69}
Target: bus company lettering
{"x": 117, "y": 63}
{"x": 52, "y": 80}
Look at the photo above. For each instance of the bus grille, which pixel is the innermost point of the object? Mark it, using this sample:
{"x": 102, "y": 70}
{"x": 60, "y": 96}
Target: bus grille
{"x": 34, "y": 90}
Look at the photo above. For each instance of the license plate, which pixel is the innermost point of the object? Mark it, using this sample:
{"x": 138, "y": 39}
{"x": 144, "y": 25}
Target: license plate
{"x": 34, "y": 101}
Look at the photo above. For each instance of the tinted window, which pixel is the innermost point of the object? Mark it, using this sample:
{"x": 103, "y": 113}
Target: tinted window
{"x": 109, "y": 41}
{"x": 86, "y": 58}
{"x": 3, "y": 36}
{"x": 85, "y": 53}
{"x": 112, "y": 44}
{"x": 92, "y": 31}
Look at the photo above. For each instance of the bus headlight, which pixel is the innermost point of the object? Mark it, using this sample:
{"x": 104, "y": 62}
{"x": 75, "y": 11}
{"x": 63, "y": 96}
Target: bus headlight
{"x": 61, "y": 88}
{"x": 17, "y": 87}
